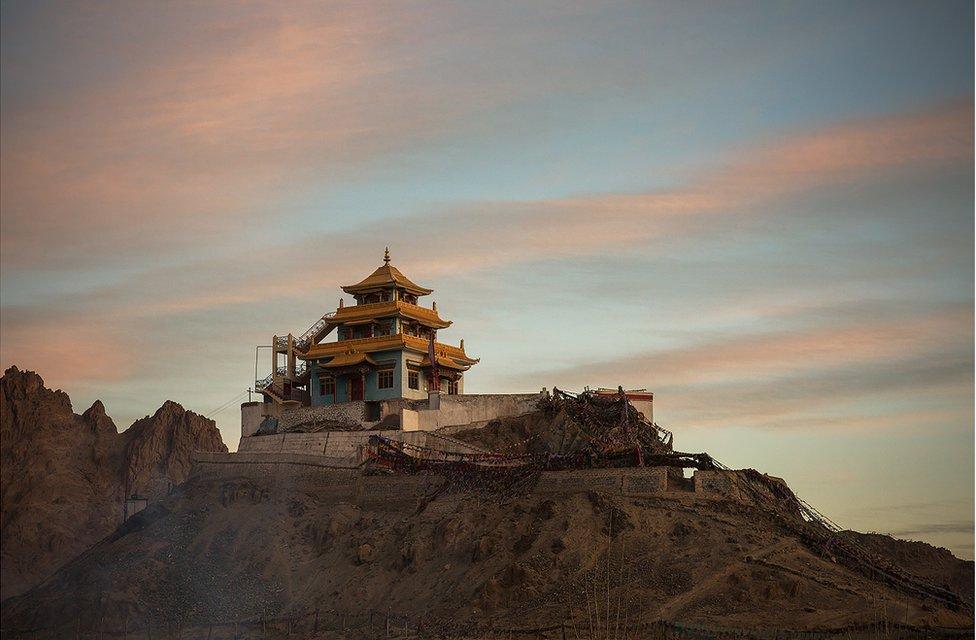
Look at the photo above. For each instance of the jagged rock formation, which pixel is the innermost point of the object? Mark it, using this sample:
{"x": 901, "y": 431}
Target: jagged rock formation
{"x": 159, "y": 448}
{"x": 64, "y": 477}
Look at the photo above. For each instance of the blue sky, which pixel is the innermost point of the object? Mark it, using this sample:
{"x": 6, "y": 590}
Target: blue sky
{"x": 761, "y": 211}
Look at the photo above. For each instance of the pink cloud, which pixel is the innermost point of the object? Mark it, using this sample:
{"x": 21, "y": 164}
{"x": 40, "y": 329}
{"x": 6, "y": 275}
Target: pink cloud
{"x": 474, "y": 237}
{"x": 183, "y": 150}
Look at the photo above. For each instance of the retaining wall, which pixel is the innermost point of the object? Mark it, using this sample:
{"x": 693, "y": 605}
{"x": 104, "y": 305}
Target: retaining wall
{"x": 460, "y": 411}
{"x": 346, "y": 482}
{"x": 254, "y": 413}
{"x": 473, "y": 409}
{"x": 345, "y": 447}
{"x": 351, "y": 413}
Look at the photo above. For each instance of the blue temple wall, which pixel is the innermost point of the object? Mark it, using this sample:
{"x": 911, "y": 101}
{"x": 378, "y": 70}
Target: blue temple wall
{"x": 373, "y": 392}
{"x": 319, "y": 399}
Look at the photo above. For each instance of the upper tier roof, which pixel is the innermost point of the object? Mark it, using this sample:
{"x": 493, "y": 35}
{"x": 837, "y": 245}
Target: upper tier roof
{"x": 386, "y": 277}
{"x": 364, "y": 312}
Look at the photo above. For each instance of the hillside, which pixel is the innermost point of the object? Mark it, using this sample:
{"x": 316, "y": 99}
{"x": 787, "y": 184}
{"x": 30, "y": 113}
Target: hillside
{"x": 247, "y": 539}
{"x": 64, "y": 476}
{"x": 238, "y": 545}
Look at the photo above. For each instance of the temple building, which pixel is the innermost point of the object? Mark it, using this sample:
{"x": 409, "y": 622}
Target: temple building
{"x": 386, "y": 348}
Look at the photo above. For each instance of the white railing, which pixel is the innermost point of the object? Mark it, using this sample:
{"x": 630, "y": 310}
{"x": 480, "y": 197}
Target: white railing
{"x": 303, "y": 342}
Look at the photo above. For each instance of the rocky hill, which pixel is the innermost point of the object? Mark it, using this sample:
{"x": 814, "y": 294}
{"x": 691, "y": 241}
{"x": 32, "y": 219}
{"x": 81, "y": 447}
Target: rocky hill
{"x": 64, "y": 476}
{"x": 233, "y": 546}
{"x": 296, "y": 548}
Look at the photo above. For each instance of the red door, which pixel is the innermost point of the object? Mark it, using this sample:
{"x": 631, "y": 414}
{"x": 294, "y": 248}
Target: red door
{"x": 356, "y": 388}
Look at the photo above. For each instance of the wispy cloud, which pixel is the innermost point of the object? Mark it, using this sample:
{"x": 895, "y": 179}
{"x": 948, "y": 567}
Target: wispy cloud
{"x": 189, "y": 141}
{"x": 937, "y": 528}
{"x": 478, "y": 236}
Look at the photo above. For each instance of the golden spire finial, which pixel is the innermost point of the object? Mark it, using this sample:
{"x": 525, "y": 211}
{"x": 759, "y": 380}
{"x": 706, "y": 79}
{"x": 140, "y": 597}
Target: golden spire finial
{"x": 386, "y": 256}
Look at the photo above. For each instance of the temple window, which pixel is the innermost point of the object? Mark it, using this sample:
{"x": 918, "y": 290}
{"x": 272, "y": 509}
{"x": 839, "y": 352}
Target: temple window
{"x": 327, "y": 386}
{"x": 452, "y": 388}
{"x": 385, "y": 379}
{"x": 413, "y": 379}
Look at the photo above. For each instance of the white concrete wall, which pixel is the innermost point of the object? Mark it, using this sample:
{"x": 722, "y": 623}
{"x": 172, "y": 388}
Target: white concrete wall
{"x": 455, "y": 411}
{"x": 254, "y": 413}
{"x": 409, "y": 420}
{"x": 646, "y": 407}
{"x": 463, "y": 410}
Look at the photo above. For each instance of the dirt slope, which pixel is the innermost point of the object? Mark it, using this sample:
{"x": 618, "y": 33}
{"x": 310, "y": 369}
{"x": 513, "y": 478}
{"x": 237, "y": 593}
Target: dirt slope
{"x": 231, "y": 548}
{"x": 64, "y": 477}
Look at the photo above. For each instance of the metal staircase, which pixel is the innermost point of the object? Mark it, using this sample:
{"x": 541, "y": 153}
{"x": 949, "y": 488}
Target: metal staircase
{"x": 322, "y": 327}
{"x": 273, "y": 385}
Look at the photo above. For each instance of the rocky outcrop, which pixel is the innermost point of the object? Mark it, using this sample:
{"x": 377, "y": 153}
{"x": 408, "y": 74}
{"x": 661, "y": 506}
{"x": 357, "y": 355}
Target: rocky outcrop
{"x": 159, "y": 448}
{"x": 64, "y": 477}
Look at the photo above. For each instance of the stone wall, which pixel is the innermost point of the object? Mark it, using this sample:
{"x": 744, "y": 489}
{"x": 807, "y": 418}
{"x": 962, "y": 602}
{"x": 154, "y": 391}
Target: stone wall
{"x": 348, "y": 481}
{"x": 717, "y": 483}
{"x": 343, "y": 448}
{"x": 349, "y": 414}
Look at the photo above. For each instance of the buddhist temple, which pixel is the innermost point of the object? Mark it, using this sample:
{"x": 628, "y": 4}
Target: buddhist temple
{"x": 386, "y": 348}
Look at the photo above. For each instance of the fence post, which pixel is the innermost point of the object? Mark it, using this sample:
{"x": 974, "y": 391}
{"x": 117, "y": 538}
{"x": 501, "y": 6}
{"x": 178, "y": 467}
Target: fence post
{"x": 78, "y": 628}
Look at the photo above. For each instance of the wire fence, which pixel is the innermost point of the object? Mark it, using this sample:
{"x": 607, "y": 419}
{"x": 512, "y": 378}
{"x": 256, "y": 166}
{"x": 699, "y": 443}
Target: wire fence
{"x": 375, "y": 624}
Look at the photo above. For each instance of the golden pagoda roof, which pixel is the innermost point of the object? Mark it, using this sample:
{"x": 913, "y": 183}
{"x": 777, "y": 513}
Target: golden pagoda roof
{"x": 360, "y": 313}
{"x": 349, "y": 360}
{"x": 385, "y": 277}
{"x": 444, "y": 361}
{"x": 386, "y": 343}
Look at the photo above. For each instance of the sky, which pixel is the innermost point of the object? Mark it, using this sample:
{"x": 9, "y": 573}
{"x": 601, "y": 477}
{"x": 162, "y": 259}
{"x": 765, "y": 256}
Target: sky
{"x": 760, "y": 211}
